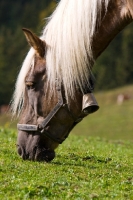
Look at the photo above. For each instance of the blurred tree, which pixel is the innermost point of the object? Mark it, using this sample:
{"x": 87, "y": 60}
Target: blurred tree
{"x": 14, "y": 15}
{"x": 114, "y": 67}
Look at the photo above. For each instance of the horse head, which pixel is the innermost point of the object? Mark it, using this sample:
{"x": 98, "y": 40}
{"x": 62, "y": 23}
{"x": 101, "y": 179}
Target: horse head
{"x": 46, "y": 120}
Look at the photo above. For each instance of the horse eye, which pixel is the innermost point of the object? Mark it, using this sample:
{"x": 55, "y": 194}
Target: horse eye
{"x": 30, "y": 85}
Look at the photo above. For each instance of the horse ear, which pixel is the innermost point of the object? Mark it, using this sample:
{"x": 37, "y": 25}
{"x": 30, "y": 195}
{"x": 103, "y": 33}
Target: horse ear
{"x": 35, "y": 42}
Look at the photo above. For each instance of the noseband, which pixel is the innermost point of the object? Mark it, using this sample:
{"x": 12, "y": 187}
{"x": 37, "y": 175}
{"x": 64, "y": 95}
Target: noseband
{"x": 41, "y": 128}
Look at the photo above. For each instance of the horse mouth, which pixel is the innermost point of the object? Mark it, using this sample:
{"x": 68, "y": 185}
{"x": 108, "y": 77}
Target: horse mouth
{"x": 37, "y": 154}
{"x": 44, "y": 155}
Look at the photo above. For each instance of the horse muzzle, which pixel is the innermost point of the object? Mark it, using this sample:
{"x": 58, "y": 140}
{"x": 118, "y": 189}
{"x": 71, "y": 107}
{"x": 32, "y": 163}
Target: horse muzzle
{"x": 36, "y": 154}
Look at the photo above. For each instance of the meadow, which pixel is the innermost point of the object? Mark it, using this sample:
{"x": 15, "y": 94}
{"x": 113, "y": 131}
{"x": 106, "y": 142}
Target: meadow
{"x": 95, "y": 162}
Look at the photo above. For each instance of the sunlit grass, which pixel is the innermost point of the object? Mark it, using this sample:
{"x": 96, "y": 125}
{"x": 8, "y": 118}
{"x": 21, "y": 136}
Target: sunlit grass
{"x": 111, "y": 121}
{"x": 84, "y": 168}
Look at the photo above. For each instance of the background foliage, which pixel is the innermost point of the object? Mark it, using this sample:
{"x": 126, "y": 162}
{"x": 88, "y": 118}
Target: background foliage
{"x": 113, "y": 68}
{"x": 14, "y": 15}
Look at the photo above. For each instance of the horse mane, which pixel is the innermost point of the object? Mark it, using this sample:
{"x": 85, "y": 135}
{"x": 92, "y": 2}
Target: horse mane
{"x": 130, "y": 6}
{"x": 68, "y": 35}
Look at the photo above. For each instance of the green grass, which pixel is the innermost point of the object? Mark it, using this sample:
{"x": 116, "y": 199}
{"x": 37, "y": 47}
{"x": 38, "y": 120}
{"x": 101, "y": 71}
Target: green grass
{"x": 84, "y": 168}
{"x": 111, "y": 121}
{"x": 95, "y": 162}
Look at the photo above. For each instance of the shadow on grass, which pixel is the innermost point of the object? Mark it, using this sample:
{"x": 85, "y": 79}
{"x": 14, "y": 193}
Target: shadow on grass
{"x": 75, "y": 160}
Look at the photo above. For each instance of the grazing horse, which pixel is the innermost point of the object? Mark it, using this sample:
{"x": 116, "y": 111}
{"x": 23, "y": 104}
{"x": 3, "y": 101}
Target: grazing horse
{"x": 54, "y": 90}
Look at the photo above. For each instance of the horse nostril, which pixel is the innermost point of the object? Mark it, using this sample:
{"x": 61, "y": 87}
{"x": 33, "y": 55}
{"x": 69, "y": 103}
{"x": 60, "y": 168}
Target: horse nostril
{"x": 22, "y": 153}
{"x": 34, "y": 150}
{"x": 19, "y": 151}
{"x": 32, "y": 154}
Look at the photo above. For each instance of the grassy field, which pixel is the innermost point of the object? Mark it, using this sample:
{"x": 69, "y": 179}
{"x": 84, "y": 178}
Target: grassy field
{"x": 84, "y": 168}
{"x": 111, "y": 121}
{"x": 95, "y": 162}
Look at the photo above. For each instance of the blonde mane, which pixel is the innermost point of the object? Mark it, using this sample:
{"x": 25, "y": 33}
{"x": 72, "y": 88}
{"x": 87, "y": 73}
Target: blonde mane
{"x": 68, "y": 35}
{"x": 130, "y": 6}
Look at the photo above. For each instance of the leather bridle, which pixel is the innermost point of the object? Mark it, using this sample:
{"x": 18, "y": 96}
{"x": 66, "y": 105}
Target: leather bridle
{"x": 41, "y": 127}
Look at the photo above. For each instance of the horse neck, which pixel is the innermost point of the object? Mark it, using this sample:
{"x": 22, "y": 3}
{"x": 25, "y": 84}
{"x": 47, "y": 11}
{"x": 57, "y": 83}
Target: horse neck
{"x": 113, "y": 22}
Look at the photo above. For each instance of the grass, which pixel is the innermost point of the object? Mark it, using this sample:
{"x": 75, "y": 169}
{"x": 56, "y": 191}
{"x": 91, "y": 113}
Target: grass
{"x": 84, "y": 168}
{"x": 111, "y": 121}
{"x": 95, "y": 162}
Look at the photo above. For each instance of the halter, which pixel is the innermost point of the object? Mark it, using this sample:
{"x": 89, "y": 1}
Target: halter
{"x": 41, "y": 128}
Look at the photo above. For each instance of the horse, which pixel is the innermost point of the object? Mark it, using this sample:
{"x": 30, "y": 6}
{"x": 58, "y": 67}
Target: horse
{"x": 54, "y": 88}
